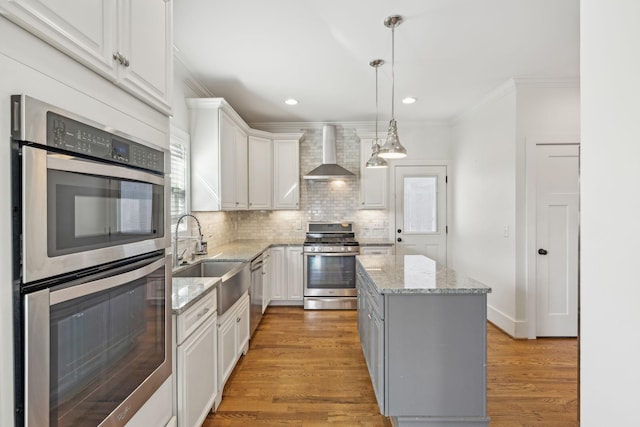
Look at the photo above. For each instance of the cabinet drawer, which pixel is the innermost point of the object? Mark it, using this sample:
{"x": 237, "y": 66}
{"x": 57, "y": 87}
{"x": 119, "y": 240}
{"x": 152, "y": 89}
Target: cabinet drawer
{"x": 376, "y": 250}
{"x": 190, "y": 320}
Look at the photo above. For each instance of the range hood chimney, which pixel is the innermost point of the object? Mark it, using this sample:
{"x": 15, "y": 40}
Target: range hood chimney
{"x": 329, "y": 169}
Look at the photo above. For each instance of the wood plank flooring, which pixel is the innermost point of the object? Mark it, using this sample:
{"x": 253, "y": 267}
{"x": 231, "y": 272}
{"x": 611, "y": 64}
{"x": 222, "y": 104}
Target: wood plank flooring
{"x": 306, "y": 369}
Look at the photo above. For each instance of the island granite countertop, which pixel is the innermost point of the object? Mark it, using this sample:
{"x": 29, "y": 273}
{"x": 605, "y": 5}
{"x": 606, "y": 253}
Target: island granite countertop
{"x": 416, "y": 274}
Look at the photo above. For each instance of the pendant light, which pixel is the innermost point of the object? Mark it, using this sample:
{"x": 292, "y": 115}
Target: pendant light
{"x": 392, "y": 149}
{"x": 376, "y": 161}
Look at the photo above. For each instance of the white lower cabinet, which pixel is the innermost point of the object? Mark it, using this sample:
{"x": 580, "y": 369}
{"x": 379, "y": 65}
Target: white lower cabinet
{"x": 285, "y": 269}
{"x": 233, "y": 339}
{"x": 294, "y": 273}
{"x": 196, "y": 360}
{"x": 267, "y": 279}
{"x": 376, "y": 250}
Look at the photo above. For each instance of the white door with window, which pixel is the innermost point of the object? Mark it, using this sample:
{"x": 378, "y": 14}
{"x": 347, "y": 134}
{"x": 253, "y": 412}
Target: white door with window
{"x": 421, "y": 211}
{"x": 557, "y": 222}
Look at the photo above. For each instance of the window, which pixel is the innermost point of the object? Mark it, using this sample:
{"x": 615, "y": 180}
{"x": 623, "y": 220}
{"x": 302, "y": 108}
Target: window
{"x": 179, "y": 146}
{"x": 420, "y": 205}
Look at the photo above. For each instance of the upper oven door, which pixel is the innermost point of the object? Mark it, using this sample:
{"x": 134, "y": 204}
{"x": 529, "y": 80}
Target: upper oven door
{"x": 78, "y": 214}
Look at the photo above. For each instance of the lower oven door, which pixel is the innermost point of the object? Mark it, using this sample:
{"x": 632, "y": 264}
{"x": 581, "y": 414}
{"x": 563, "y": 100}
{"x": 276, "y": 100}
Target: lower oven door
{"x": 330, "y": 274}
{"x": 96, "y": 351}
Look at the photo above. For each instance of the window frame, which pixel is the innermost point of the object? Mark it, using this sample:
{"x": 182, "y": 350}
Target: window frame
{"x": 181, "y": 138}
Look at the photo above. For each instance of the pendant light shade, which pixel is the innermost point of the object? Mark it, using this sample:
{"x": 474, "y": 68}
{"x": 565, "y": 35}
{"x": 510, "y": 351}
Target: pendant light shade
{"x": 392, "y": 149}
{"x": 376, "y": 161}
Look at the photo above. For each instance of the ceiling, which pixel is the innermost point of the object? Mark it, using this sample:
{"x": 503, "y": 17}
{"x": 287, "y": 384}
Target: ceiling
{"x": 448, "y": 53}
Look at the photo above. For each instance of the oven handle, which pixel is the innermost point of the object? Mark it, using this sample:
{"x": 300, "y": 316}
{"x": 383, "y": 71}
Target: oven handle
{"x": 72, "y": 292}
{"x": 66, "y": 164}
{"x": 331, "y": 253}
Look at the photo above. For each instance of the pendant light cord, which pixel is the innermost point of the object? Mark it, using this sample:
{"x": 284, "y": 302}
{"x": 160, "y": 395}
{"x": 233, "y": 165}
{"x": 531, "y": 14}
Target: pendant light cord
{"x": 376, "y": 141}
{"x": 393, "y": 76}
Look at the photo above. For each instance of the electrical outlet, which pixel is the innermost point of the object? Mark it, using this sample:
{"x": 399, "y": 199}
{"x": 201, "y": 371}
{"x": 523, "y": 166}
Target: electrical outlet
{"x": 377, "y": 224}
{"x": 505, "y": 231}
{"x": 297, "y": 225}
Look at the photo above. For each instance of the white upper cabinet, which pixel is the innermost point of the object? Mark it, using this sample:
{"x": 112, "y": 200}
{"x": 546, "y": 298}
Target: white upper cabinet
{"x": 127, "y": 41}
{"x": 373, "y": 182}
{"x": 234, "y": 167}
{"x": 286, "y": 173}
{"x": 260, "y": 173}
{"x": 233, "y": 149}
{"x": 218, "y": 156}
{"x": 145, "y": 41}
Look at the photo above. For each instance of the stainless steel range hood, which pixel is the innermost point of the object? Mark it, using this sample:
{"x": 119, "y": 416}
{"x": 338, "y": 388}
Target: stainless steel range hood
{"x": 329, "y": 169}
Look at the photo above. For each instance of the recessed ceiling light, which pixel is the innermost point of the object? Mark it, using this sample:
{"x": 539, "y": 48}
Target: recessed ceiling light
{"x": 291, "y": 101}
{"x": 409, "y": 100}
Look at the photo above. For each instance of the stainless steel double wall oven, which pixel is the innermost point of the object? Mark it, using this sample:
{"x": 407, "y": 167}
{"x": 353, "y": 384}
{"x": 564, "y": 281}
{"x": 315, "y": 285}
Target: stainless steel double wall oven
{"x": 90, "y": 267}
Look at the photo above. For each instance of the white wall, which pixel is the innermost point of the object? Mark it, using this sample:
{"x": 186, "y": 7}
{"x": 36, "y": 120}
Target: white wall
{"x": 548, "y": 112}
{"x": 30, "y": 66}
{"x": 610, "y": 213}
{"x": 490, "y": 191}
{"x": 483, "y": 188}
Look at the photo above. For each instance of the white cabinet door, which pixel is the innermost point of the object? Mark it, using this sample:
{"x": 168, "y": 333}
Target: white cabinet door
{"x": 197, "y": 385}
{"x": 233, "y": 165}
{"x": 129, "y": 42}
{"x": 242, "y": 323}
{"x": 145, "y": 40}
{"x": 373, "y": 182}
{"x": 242, "y": 169}
{"x": 286, "y": 174}
{"x": 260, "y": 173}
{"x": 294, "y": 273}
{"x": 277, "y": 271}
{"x": 84, "y": 30}
{"x": 267, "y": 278}
{"x": 233, "y": 338}
{"x": 227, "y": 348}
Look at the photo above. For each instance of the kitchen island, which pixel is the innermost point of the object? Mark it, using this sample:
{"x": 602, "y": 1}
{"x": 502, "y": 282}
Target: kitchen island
{"x": 423, "y": 332}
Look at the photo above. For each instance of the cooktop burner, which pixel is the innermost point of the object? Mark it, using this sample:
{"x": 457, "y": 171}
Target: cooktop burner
{"x": 329, "y": 237}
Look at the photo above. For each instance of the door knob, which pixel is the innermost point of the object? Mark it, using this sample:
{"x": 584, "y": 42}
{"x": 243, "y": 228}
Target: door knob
{"x": 542, "y": 251}
{"x": 399, "y": 239}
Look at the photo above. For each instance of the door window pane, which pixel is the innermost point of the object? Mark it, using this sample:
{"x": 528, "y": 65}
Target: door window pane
{"x": 420, "y": 205}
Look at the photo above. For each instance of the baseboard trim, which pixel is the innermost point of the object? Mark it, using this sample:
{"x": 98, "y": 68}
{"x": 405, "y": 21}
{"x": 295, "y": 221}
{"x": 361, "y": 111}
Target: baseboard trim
{"x": 510, "y": 326}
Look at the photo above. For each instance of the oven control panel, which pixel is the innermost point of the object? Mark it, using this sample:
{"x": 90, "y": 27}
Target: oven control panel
{"x": 70, "y": 135}
{"x": 331, "y": 249}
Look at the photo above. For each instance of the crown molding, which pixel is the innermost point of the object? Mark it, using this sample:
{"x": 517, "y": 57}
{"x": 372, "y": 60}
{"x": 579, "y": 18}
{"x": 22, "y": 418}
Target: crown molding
{"x": 512, "y": 85}
{"x": 191, "y": 81}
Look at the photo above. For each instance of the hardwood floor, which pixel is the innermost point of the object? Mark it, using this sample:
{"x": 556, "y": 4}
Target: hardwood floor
{"x": 306, "y": 368}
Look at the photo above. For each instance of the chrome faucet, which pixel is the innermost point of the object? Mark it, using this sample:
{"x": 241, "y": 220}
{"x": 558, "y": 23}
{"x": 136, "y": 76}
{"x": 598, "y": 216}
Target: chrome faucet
{"x": 200, "y": 245}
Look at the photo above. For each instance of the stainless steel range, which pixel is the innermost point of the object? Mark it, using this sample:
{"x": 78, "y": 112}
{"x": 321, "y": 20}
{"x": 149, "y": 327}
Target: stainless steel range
{"x": 330, "y": 251}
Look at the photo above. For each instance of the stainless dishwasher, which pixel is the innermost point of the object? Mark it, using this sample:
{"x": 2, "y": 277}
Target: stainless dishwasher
{"x": 256, "y": 293}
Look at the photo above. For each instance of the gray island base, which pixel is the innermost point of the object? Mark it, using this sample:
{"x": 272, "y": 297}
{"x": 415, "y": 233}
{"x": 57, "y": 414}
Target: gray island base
{"x": 423, "y": 329}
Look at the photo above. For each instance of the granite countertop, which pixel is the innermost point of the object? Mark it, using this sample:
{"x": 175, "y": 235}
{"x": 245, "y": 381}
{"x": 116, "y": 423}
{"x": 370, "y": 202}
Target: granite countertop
{"x": 187, "y": 290}
{"x": 243, "y": 250}
{"x": 416, "y": 274}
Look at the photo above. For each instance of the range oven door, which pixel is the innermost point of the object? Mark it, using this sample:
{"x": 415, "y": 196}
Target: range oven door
{"x": 329, "y": 274}
{"x": 97, "y": 349}
{"x": 79, "y": 213}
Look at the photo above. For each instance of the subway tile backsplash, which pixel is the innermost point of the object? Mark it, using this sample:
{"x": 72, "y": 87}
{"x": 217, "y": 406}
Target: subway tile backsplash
{"x": 319, "y": 201}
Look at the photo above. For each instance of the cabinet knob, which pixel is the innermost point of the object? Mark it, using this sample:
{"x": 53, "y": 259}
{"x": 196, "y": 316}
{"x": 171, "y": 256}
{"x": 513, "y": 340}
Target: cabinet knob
{"x": 399, "y": 239}
{"x": 238, "y": 320}
{"x": 121, "y": 59}
{"x": 542, "y": 251}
